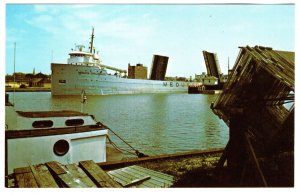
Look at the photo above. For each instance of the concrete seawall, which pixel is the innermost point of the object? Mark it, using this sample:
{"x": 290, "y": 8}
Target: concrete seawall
{"x": 28, "y": 89}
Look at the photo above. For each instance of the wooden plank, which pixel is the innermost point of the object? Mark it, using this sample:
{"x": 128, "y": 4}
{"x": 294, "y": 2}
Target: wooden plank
{"x": 153, "y": 182}
{"x": 69, "y": 181}
{"x": 223, "y": 157}
{"x": 57, "y": 170}
{"x": 55, "y": 167}
{"x": 128, "y": 175}
{"x": 80, "y": 176}
{"x": 120, "y": 177}
{"x": 162, "y": 185}
{"x": 43, "y": 177}
{"x": 137, "y": 181}
{"x": 24, "y": 178}
{"x": 128, "y": 178}
{"x": 255, "y": 161}
{"x": 70, "y": 176}
{"x": 22, "y": 170}
{"x": 99, "y": 177}
{"x": 153, "y": 173}
{"x": 128, "y": 162}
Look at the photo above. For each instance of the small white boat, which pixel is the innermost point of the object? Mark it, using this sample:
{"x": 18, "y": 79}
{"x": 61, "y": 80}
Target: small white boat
{"x": 63, "y": 136}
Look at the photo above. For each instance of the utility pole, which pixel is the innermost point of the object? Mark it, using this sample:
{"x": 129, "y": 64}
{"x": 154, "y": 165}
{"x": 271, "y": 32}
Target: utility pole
{"x": 15, "y": 45}
{"x": 228, "y": 67}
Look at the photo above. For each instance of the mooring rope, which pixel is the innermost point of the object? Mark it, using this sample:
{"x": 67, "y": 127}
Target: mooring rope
{"x": 138, "y": 153}
{"x": 118, "y": 148}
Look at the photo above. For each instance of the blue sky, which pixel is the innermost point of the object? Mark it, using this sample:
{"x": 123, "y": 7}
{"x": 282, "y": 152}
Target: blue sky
{"x": 133, "y": 33}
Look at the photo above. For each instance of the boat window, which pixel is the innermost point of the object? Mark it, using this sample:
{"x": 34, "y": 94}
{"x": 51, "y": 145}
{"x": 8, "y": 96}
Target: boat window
{"x": 42, "y": 124}
{"x": 61, "y": 147}
{"x": 74, "y": 122}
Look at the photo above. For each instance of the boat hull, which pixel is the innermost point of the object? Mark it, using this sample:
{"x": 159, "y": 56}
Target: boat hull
{"x": 69, "y": 79}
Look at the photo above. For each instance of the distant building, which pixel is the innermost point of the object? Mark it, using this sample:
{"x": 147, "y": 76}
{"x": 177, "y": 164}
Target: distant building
{"x": 199, "y": 77}
{"x": 28, "y": 80}
{"x": 159, "y": 67}
{"x": 137, "y": 72}
{"x": 38, "y": 80}
{"x": 19, "y": 77}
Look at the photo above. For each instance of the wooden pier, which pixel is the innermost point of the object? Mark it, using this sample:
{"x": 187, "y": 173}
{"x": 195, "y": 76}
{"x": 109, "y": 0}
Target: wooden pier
{"x": 149, "y": 172}
{"x": 87, "y": 174}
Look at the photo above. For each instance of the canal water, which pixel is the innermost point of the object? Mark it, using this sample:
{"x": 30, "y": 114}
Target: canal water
{"x": 152, "y": 123}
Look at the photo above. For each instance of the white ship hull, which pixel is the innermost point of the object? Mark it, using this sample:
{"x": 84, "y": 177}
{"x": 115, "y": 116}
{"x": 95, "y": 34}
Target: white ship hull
{"x": 69, "y": 79}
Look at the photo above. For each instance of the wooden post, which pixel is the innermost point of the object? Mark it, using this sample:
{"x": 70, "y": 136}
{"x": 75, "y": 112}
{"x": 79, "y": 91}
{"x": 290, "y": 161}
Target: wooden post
{"x": 223, "y": 158}
{"x": 6, "y": 163}
{"x": 236, "y": 154}
{"x": 255, "y": 162}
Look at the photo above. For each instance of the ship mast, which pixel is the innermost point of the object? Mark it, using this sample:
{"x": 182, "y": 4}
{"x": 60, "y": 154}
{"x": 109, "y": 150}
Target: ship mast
{"x": 92, "y": 42}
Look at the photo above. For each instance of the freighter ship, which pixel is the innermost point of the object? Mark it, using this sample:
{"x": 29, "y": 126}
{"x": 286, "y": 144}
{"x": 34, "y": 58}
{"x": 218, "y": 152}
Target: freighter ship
{"x": 84, "y": 73}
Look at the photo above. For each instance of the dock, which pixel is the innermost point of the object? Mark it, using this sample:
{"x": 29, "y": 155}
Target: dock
{"x": 54, "y": 175}
{"x": 199, "y": 90}
{"x": 87, "y": 174}
{"x": 160, "y": 171}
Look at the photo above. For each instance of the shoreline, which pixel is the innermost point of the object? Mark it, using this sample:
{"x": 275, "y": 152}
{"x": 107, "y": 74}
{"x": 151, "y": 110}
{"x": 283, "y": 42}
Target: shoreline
{"x": 28, "y": 89}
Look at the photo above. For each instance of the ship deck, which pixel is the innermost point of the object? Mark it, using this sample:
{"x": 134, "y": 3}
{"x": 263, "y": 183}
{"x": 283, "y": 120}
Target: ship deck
{"x": 11, "y": 134}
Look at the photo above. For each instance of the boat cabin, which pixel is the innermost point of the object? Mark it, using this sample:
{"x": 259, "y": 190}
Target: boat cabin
{"x": 63, "y": 136}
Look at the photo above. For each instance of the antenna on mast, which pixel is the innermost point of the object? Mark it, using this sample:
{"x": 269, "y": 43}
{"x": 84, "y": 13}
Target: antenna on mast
{"x": 92, "y": 41}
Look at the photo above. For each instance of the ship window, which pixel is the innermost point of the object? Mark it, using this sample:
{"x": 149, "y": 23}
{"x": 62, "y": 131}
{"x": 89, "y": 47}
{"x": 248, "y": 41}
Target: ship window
{"x": 74, "y": 122}
{"x": 42, "y": 124}
{"x": 62, "y": 81}
{"x": 61, "y": 147}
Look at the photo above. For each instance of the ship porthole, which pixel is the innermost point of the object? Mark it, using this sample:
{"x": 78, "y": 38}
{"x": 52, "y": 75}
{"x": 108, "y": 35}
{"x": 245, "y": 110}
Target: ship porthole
{"x": 61, "y": 147}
